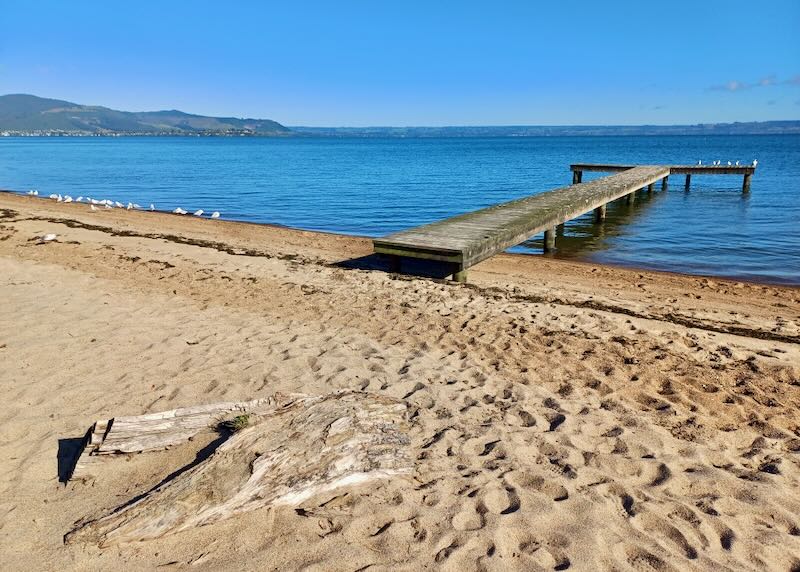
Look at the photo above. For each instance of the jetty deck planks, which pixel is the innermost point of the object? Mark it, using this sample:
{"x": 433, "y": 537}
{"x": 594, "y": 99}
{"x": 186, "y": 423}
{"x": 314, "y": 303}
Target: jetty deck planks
{"x": 674, "y": 169}
{"x": 469, "y": 238}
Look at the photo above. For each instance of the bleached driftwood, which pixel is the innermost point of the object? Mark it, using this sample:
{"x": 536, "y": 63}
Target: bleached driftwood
{"x": 157, "y": 431}
{"x": 300, "y": 447}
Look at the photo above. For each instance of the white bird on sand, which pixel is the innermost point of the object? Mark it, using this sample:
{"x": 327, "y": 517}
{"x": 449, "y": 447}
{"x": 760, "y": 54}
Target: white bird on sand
{"x": 60, "y": 199}
{"x": 119, "y": 205}
{"x": 152, "y": 207}
{"x": 94, "y": 208}
{"x": 68, "y": 199}
{"x": 215, "y": 214}
{"x": 33, "y": 192}
{"x": 179, "y": 210}
{"x": 198, "y": 212}
{"x": 79, "y": 199}
{"x": 136, "y": 206}
{"x": 49, "y": 237}
{"x": 53, "y": 196}
{"x": 755, "y": 162}
{"x": 130, "y": 206}
{"x": 108, "y": 205}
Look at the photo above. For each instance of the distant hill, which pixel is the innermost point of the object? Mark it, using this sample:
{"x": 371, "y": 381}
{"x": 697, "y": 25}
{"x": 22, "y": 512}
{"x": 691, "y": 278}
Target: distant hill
{"x": 22, "y": 114}
{"x": 30, "y": 114}
{"x": 749, "y": 128}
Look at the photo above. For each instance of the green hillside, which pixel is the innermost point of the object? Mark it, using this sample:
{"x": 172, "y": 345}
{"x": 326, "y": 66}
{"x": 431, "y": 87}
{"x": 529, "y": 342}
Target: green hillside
{"x": 28, "y": 113}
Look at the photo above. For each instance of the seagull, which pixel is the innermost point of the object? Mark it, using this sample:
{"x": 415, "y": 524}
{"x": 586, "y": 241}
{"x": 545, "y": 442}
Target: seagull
{"x": 53, "y": 196}
{"x": 179, "y": 210}
{"x": 68, "y": 199}
{"x": 79, "y": 199}
{"x": 215, "y": 214}
{"x": 755, "y": 162}
{"x": 119, "y": 205}
{"x": 94, "y": 208}
{"x": 60, "y": 198}
{"x": 699, "y": 162}
{"x": 729, "y": 163}
{"x": 152, "y": 207}
{"x": 136, "y": 206}
{"x": 49, "y": 237}
{"x": 198, "y": 212}
{"x": 108, "y": 205}
{"x": 737, "y": 163}
{"x": 33, "y": 192}
{"x": 130, "y": 206}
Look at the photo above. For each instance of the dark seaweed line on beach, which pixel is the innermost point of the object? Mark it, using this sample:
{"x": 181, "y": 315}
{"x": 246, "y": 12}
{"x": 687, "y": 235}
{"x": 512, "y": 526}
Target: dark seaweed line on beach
{"x": 8, "y": 214}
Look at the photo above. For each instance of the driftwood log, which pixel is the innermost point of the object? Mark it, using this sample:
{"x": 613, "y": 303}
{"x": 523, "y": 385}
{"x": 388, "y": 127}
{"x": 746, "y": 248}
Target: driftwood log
{"x": 157, "y": 431}
{"x": 291, "y": 449}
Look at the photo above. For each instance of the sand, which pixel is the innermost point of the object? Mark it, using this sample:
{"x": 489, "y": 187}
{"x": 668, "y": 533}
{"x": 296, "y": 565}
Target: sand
{"x": 567, "y": 415}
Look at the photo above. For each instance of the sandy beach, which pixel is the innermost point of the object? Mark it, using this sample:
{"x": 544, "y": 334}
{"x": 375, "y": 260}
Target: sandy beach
{"x": 566, "y": 415}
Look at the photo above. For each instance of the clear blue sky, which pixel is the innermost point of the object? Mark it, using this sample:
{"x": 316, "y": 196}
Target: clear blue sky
{"x": 413, "y": 63}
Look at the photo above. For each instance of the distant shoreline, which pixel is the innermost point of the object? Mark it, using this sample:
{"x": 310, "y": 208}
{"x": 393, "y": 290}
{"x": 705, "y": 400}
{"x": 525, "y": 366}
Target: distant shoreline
{"x": 382, "y": 135}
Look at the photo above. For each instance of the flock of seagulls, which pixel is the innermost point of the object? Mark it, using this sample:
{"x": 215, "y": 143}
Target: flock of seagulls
{"x": 718, "y": 163}
{"x": 95, "y": 204}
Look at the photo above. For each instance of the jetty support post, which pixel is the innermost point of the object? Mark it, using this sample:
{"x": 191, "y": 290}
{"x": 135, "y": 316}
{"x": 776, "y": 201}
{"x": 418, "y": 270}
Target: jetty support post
{"x": 650, "y": 187}
{"x": 630, "y": 198}
{"x": 577, "y": 177}
{"x": 460, "y": 274}
{"x": 600, "y": 213}
{"x": 664, "y": 183}
{"x": 688, "y": 182}
{"x": 746, "y": 183}
{"x": 550, "y": 240}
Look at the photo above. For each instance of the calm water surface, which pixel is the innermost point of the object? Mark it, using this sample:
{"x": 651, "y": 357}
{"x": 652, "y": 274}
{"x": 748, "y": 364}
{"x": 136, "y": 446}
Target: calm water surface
{"x": 377, "y": 186}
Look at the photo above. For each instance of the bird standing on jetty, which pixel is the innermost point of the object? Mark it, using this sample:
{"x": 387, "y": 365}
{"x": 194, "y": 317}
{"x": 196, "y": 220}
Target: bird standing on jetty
{"x": 755, "y": 162}
{"x": 699, "y": 163}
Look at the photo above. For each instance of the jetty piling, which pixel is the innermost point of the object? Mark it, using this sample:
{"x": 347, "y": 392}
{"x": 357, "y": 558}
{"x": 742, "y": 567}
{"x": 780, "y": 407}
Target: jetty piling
{"x": 464, "y": 240}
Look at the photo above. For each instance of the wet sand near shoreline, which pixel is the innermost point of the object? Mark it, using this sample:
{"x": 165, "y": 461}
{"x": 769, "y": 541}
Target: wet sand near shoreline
{"x": 567, "y": 415}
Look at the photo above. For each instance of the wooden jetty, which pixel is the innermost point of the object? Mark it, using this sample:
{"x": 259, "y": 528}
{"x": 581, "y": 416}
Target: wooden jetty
{"x": 745, "y": 170}
{"x": 464, "y": 240}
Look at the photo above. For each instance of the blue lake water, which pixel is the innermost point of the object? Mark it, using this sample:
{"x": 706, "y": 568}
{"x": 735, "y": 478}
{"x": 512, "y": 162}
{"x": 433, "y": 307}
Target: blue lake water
{"x": 376, "y": 186}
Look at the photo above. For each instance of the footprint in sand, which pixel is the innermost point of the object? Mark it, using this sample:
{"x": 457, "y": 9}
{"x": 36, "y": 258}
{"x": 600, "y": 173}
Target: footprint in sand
{"x": 502, "y": 499}
{"x": 470, "y": 517}
{"x": 549, "y": 488}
